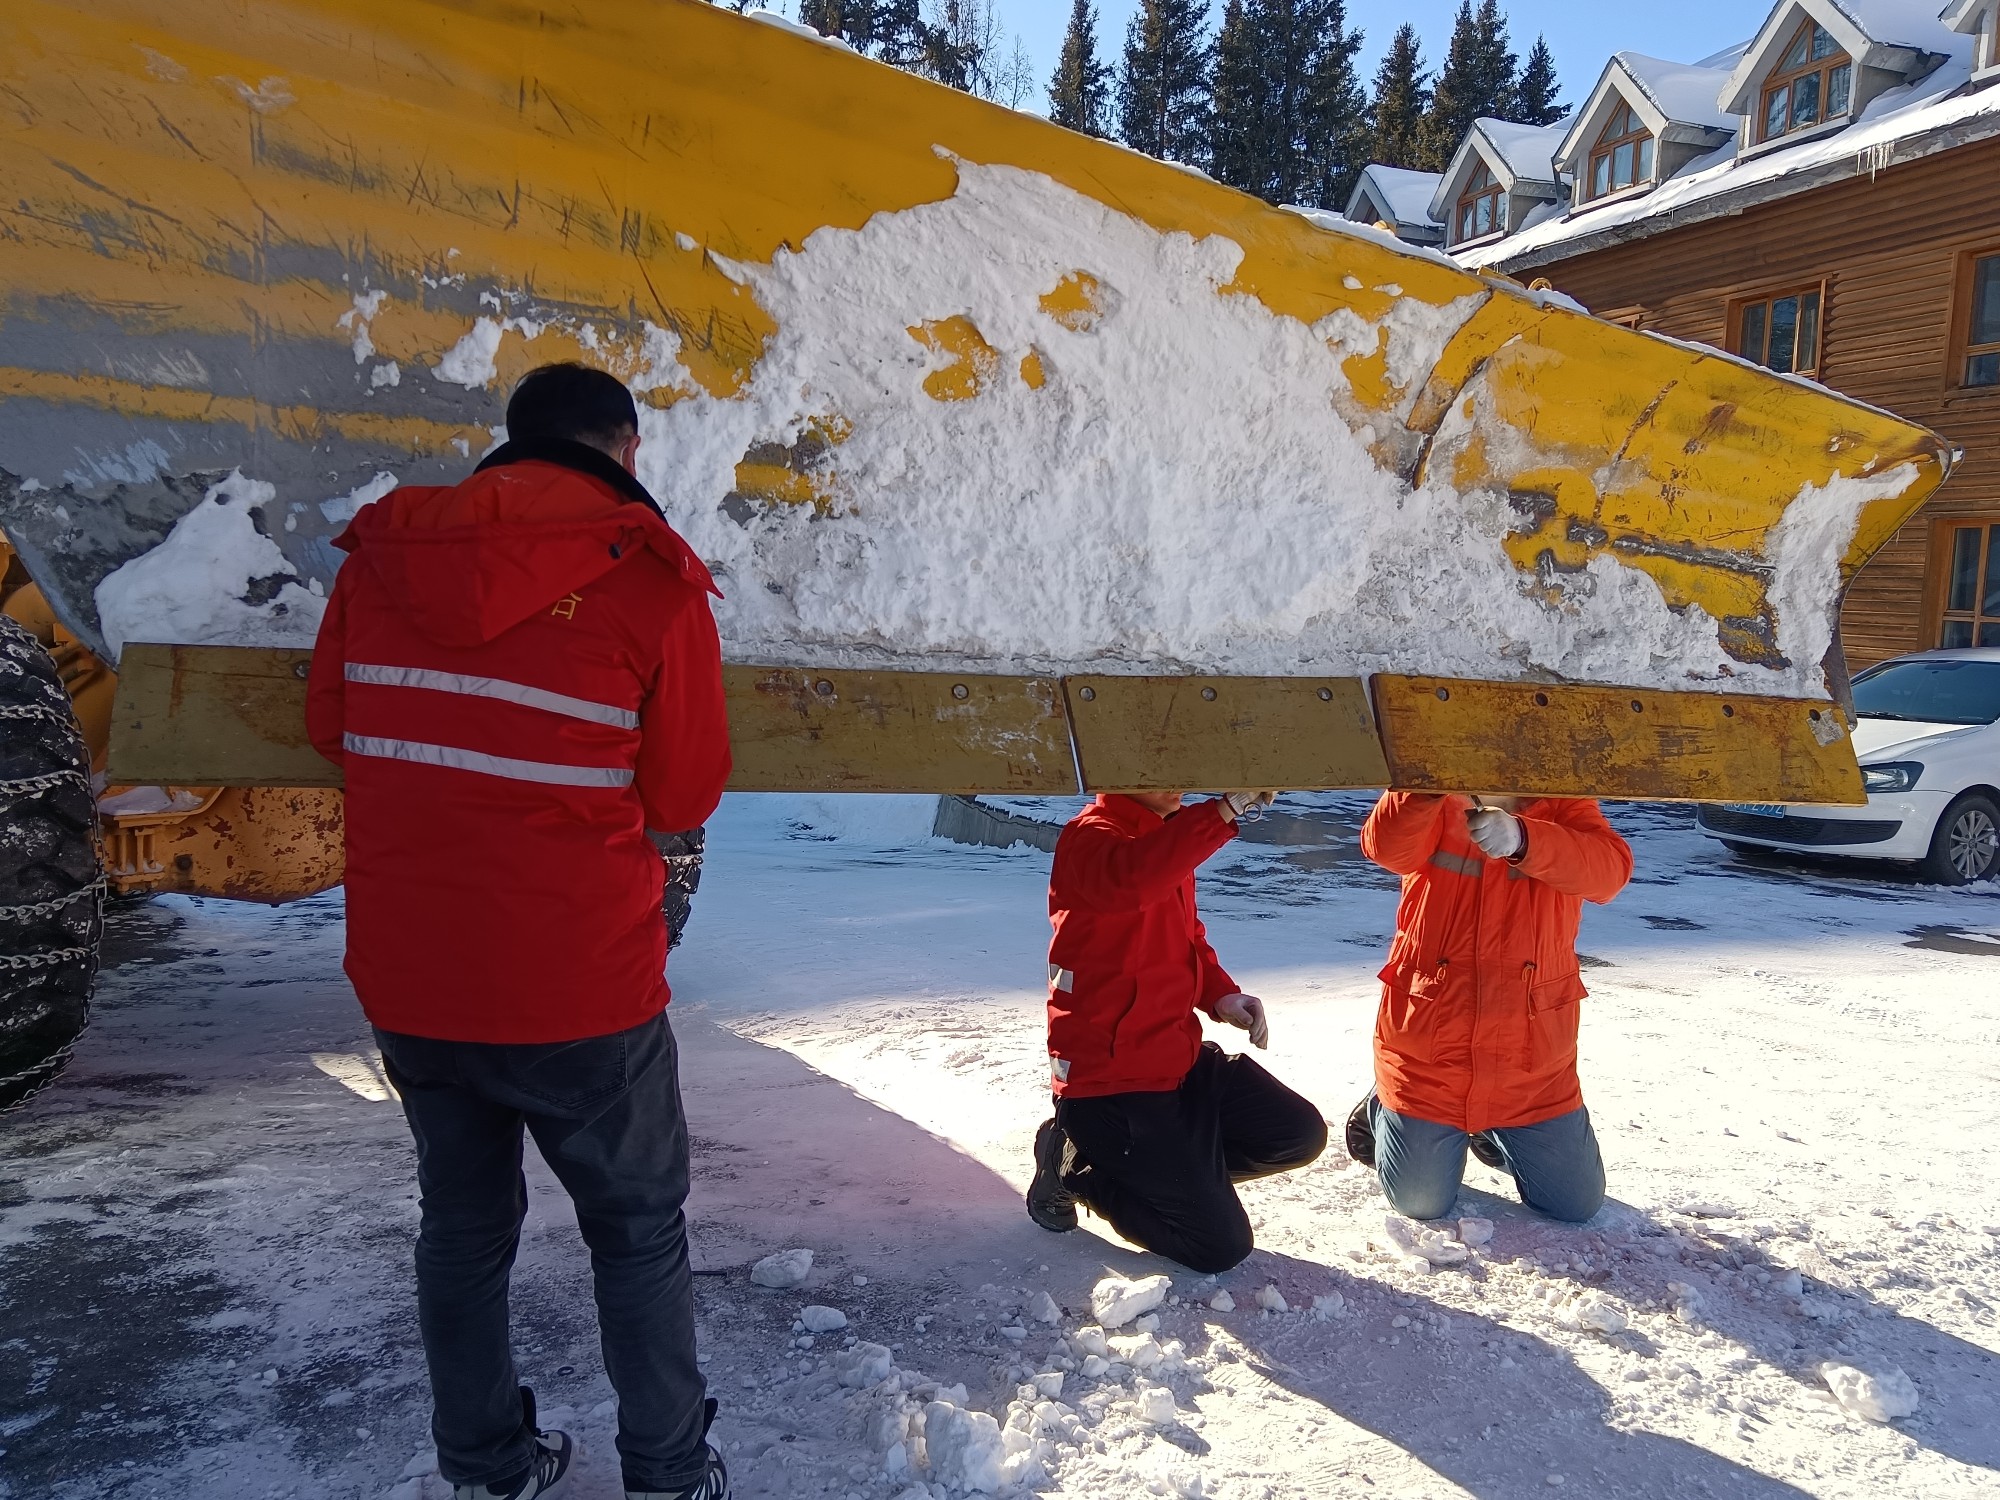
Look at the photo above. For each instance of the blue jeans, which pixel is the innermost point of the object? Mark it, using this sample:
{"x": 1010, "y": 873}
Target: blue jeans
{"x": 606, "y": 1115}
{"x": 1556, "y": 1165}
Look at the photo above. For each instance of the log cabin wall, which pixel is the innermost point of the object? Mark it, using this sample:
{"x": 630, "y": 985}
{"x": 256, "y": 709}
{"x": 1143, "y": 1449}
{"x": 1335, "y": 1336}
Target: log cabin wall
{"x": 1891, "y": 253}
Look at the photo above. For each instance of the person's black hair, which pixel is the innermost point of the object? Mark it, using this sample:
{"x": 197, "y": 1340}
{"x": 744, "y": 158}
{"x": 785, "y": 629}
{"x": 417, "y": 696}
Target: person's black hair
{"x": 572, "y": 401}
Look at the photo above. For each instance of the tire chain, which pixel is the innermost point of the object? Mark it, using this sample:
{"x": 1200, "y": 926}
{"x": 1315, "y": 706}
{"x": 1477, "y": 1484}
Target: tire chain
{"x": 53, "y": 904}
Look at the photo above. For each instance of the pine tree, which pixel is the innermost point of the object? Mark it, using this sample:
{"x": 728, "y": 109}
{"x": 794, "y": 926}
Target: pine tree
{"x": 851, "y": 20}
{"x": 1499, "y": 82}
{"x": 1080, "y": 92}
{"x": 1535, "y": 93}
{"x": 1163, "y": 83}
{"x": 1396, "y": 112}
{"x": 1477, "y": 80}
{"x": 1237, "y": 147}
{"x": 900, "y": 32}
{"x": 1336, "y": 113}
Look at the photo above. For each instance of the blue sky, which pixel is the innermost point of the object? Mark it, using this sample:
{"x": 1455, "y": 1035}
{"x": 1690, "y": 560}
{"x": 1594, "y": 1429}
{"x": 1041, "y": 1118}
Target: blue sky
{"x": 1581, "y": 33}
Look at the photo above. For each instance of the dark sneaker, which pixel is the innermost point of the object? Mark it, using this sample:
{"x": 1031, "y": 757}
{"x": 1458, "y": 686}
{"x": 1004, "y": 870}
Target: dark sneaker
{"x": 714, "y": 1481}
{"x": 1487, "y": 1149}
{"x": 1050, "y": 1204}
{"x": 1361, "y": 1133}
{"x": 547, "y": 1470}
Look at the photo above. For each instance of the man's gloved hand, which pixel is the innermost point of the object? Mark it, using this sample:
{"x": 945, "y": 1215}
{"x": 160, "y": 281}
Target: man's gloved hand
{"x": 1239, "y": 803}
{"x": 1498, "y": 834}
{"x": 1246, "y": 1011}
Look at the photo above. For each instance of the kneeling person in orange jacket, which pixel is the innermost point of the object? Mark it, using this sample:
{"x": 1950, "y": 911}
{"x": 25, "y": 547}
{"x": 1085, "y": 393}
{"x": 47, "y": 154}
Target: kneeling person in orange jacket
{"x": 1153, "y": 1125}
{"x": 1475, "y": 1041}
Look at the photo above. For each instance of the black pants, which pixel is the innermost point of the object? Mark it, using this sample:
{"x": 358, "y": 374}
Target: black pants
{"x": 1161, "y": 1166}
{"x": 606, "y": 1115}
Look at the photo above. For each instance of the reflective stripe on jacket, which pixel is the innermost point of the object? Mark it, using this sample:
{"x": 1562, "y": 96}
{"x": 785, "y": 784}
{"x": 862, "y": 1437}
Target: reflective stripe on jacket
{"x": 1130, "y": 961}
{"x": 519, "y": 676}
{"x": 1478, "y": 1022}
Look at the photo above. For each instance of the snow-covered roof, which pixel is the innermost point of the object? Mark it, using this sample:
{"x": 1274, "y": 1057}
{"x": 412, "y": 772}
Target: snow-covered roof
{"x": 1675, "y": 101}
{"x": 1898, "y": 36}
{"x": 1960, "y": 14}
{"x": 1404, "y": 194}
{"x": 1913, "y": 120}
{"x": 1683, "y": 92}
{"x": 1526, "y": 149}
{"x": 1521, "y": 157}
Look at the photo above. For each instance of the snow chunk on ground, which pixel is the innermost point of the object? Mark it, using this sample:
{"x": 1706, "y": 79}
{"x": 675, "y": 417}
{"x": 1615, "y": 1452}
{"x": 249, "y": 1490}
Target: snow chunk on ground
{"x": 1879, "y": 1398}
{"x": 1117, "y": 1301}
{"x": 862, "y": 1366}
{"x": 1474, "y": 1232}
{"x": 1156, "y": 1405}
{"x": 1594, "y": 1312}
{"x": 215, "y": 581}
{"x": 819, "y": 1319}
{"x": 785, "y": 1269}
{"x": 1222, "y": 1302}
{"x": 965, "y": 1447}
{"x": 1042, "y": 1308}
{"x": 1271, "y": 1299}
{"x": 1436, "y": 1246}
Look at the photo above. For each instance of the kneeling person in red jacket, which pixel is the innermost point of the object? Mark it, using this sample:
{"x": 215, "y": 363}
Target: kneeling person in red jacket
{"x": 1153, "y": 1125}
{"x": 1475, "y": 1040}
{"x": 520, "y": 677}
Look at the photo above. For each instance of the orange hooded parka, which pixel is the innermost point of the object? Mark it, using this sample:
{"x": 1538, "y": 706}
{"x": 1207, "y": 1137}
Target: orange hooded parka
{"x": 1478, "y": 1022}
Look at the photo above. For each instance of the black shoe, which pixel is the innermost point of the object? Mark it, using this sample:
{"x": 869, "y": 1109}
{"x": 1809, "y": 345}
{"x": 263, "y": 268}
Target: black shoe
{"x": 1050, "y": 1204}
{"x": 546, "y": 1470}
{"x": 1488, "y": 1150}
{"x": 714, "y": 1481}
{"x": 1361, "y": 1132}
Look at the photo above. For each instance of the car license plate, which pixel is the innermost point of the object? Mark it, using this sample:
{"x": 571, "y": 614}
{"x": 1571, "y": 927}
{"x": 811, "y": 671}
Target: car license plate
{"x": 1756, "y": 809}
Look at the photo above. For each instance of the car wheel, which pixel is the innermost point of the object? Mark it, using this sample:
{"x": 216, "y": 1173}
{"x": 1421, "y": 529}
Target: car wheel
{"x": 51, "y": 884}
{"x": 1965, "y": 846}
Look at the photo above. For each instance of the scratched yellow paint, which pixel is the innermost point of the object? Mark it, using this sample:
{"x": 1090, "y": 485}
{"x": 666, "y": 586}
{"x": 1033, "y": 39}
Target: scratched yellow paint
{"x": 970, "y": 362}
{"x": 198, "y": 168}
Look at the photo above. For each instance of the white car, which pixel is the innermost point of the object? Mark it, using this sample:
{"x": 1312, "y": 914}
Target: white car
{"x": 1930, "y": 759}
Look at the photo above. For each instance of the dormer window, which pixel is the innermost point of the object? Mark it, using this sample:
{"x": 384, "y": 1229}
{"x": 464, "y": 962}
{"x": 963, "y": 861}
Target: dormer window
{"x": 1479, "y": 206}
{"x": 1813, "y": 83}
{"x": 1623, "y": 154}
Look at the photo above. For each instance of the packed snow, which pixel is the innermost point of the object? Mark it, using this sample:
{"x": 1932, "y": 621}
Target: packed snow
{"x": 217, "y": 579}
{"x": 1157, "y": 518}
{"x": 204, "y": 1243}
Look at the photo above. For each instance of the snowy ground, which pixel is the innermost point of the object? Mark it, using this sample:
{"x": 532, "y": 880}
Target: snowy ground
{"x": 204, "y": 1231}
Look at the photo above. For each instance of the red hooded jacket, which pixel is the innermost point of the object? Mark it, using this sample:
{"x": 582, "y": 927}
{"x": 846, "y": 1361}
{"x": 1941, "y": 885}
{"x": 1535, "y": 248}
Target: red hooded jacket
{"x": 1130, "y": 962}
{"x": 1478, "y": 1022}
{"x": 519, "y": 676}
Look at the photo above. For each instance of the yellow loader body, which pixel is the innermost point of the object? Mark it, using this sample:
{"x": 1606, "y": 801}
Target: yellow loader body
{"x": 259, "y": 261}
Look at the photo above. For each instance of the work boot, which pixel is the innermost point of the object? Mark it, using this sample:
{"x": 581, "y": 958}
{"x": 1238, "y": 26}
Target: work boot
{"x": 1487, "y": 1149}
{"x": 546, "y": 1472}
{"x": 1050, "y": 1204}
{"x": 1361, "y": 1132}
{"x": 714, "y": 1481}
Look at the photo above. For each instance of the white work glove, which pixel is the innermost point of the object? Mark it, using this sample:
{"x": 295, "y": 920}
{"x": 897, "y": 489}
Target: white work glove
{"x": 1246, "y": 1011}
{"x": 1239, "y": 803}
{"x": 1498, "y": 834}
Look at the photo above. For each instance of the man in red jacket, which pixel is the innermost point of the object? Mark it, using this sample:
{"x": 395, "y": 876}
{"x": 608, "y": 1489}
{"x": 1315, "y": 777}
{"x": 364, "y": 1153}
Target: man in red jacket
{"x": 1153, "y": 1125}
{"x": 520, "y": 677}
{"x": 1475, "y": 1041}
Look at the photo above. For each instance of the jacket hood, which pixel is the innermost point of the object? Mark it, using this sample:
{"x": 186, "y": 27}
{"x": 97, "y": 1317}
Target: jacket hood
{"x": 534, "y": 523}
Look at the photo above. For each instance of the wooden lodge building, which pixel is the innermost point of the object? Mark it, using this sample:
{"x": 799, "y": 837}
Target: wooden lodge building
{"x": 1825, "y": 200}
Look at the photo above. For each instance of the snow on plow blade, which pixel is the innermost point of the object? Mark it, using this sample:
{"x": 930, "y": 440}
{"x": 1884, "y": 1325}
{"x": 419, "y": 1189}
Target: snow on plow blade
{"x": 1021, "y": 458}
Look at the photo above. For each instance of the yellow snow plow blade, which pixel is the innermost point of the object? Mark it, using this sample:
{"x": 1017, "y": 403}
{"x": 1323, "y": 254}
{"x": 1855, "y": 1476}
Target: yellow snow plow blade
{"x": 942, "y": 390}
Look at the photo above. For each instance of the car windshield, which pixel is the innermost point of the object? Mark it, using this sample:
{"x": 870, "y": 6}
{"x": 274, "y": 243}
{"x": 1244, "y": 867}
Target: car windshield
{"x": 1931, "y": 691}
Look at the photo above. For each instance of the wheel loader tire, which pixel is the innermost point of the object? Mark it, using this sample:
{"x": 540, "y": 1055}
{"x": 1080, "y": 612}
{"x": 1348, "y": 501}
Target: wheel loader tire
{"x": 51, "y": 875}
